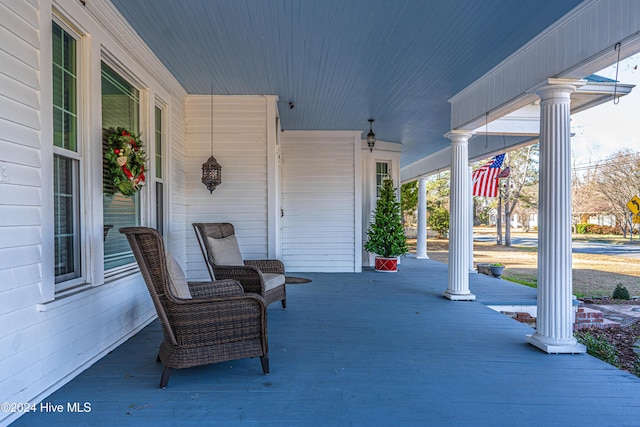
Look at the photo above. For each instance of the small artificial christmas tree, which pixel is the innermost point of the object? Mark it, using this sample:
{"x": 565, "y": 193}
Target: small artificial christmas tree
{"x": 385, "y": 234}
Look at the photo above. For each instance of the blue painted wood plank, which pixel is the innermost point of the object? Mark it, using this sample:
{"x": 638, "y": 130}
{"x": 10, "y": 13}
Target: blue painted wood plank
{"x": 364, "y": 349}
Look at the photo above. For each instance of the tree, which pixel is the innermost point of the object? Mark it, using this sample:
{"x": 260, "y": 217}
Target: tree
{"x": 409, "y": 200}
{"x": 523, "y": 166}
{"x": 439, "y": 221}
{"x": 386, "y": 233}
{"x": 518, "y": 187}
{"x": 482, "y": 209}
{"x": 438, "y": 191}
{"x": 618, "y": 180}
{"x": 586, "y": 198}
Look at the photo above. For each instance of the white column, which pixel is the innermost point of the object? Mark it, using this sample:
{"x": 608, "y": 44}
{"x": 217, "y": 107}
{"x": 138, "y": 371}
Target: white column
{"x": 471, "y": 269}
{"x": 458, "y": 289}
{"x": 421, "y": 245}
{"x": 554, "y": 329}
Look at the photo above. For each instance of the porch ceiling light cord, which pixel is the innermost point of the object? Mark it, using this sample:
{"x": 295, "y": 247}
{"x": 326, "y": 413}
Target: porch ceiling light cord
{"x": 211, "y": 169}
{"x": 616, "y": 98}
{"x": 371, "y": 137}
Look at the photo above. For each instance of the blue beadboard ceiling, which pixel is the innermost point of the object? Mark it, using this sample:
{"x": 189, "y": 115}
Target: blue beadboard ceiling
{"x": 343, "y": 61}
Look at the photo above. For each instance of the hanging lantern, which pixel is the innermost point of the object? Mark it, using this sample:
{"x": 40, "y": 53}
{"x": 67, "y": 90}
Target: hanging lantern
{"x": 211, "y": 169}
{"x": 371, "y": 137}
{"x": 211, "y": 174}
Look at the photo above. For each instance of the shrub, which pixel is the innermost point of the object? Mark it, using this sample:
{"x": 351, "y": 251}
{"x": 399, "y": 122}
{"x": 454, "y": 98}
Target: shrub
{"x": 621, "y": 292}
{"x": 599, "y": 347}
{"x": 581, "y": 228}
{"x": 439, "y": 221}
{"x": 597, "y": 229}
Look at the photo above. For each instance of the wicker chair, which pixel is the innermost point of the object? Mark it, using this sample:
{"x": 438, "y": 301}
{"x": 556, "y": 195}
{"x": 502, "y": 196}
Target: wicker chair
{"x": 264, "y": 277}
{"x": 215, "y": 322}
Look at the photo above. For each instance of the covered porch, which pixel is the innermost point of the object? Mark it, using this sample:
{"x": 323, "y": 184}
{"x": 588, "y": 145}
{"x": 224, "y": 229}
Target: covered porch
{"x": 364, "y": 349}
{"x": 282, "y": 93}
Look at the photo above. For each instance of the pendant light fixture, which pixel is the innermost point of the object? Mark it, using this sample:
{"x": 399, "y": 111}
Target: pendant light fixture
{"x": 371, "y": 137}
{"x": 211, "y": 169}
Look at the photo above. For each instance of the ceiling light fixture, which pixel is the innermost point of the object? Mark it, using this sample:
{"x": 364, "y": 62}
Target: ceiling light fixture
{"x": 211, "y": 169}
{"x": 371, "y": 137}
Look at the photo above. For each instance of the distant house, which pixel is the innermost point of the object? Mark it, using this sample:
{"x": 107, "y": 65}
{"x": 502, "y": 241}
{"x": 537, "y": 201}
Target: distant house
{"x": 527, "y": 221}
{"x": 598, "y": 219}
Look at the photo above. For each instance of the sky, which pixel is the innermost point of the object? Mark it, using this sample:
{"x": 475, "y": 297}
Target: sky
{"x": 603, "y": 130}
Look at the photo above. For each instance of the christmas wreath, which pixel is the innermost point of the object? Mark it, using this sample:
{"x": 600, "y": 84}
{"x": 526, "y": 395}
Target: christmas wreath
{"x": 125, "y": 160}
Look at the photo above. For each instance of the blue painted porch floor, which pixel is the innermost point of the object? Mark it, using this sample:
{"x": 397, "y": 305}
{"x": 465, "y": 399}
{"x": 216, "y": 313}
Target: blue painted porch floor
{"x": 368, "y": 349}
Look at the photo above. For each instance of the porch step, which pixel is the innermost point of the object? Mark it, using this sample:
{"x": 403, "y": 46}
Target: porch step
{"x": 591, "y": 318}
{"x": 586, "y": 317}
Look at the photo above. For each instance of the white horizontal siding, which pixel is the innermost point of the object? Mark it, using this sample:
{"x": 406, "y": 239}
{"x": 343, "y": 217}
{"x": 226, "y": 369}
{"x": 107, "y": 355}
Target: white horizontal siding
{"x": 20, "y": 201}
{"x": 20, "y": 196}
{"x": 240, "y": 146}
{"x": 53, "y": 345}
{"x": 318, "y": 201}
{"x": 177, "y": 184}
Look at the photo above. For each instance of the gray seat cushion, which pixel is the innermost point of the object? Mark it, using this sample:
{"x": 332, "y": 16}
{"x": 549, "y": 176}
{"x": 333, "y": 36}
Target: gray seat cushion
{"x": 272, "y": 280}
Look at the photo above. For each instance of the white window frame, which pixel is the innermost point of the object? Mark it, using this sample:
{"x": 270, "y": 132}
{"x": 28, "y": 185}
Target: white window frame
{"x": 64, "y": 287}
{"x": 115, "y": 273}
{"x": 387, "y": 175}
{"x": 163, "y": 162}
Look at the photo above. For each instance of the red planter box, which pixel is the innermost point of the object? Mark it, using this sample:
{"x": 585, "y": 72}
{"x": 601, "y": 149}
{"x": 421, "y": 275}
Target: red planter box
{"x": 387, "y": 265}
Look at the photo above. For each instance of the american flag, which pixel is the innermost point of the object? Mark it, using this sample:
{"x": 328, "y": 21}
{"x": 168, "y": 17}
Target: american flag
{"x": 485, "y": 178}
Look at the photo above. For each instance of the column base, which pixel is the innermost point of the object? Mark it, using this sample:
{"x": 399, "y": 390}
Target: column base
{"x": 422, "y": 257}
{"x": 459, "y": 297}
{"x": 551, "y": 348}
{"x": 473, "y": 271}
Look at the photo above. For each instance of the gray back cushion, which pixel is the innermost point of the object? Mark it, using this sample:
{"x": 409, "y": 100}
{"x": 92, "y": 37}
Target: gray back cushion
{"x": 178, "y": 285}
{"x": 225, "y": 251}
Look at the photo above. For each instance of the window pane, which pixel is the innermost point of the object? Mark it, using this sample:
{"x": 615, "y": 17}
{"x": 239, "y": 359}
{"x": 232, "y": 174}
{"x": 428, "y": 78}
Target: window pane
{"x": 58, "y": 127}
{"x": 64, "y": 89}
{"x": 69, "y": 92}
{"x": 120, "y": 102}
{"x": 70, "y": 134}
{"x": 120, "y": 108}
{"x": 56, "y": 50}
{"x": 66, "y": 229}
{"x": 58, "y": 88}
{"x": 382, "y": 172}
{"x": 69, "y": 58}
{"x": 160, "y": 208}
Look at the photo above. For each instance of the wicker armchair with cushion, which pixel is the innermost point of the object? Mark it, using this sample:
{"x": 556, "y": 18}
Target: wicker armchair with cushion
{"x": 202, "y": 322}
{"x": 221, "y": 252}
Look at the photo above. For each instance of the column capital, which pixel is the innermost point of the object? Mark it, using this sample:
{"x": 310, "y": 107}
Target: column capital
{"x": 557, "y": 88}
{"x": 458, "y": 135}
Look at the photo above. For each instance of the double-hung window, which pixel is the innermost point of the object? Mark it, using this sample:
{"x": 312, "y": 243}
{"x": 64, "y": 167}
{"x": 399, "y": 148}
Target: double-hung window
{"x": 159, "y": 171}
{"x": 67, "y": 157}
{"x": 120, "y": 108}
